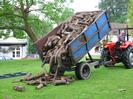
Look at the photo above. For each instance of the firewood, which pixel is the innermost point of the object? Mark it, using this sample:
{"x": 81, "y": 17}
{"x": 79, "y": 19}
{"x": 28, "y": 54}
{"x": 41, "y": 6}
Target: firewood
{"x": 59, "y": 82}
{"x": 33, "y": 82}
{"x": 69, "y": 79}
{"x": 44, "y": 80}
{"x": 34, "y": 77}
{"x": 40, "y": 86}
{"x": 18, "y": 88}
{"x": 55, "y": 49}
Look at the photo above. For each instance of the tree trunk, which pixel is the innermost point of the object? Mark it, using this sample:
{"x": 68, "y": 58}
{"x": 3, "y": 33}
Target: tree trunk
{"x": 30, "y": 33}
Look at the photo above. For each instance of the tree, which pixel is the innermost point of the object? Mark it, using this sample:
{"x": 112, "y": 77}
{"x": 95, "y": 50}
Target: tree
{"x": 117, "y": 9}
{"x": 4, "y": 33}
{"x": 130, "y": 13}
{"x": 32, "y": 16}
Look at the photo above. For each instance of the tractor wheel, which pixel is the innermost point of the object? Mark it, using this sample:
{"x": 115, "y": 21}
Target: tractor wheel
{"x": 127, "y": 58}
{"x": 105, "y": 56}
{"x": 82, "y": 70}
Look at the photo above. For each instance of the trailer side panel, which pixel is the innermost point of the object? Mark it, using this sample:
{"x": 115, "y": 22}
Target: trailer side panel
{"x": 89, "y": 37}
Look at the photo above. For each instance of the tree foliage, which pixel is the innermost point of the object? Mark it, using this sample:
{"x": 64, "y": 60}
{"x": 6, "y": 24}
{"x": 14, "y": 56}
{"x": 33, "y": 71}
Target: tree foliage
{"x": 33, "y": 17}
{"x": 130, "y": 13}
{"x": 4, "y": 33}
{"x": 117, "y": 9}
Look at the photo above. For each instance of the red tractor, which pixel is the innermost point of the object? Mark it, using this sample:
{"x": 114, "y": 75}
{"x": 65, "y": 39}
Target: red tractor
{"x": 120, "y": 51}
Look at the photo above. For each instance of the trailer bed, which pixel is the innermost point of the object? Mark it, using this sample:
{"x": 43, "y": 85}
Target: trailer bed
{"x": 84, "y": 42}
{"x": 89, "y": 37}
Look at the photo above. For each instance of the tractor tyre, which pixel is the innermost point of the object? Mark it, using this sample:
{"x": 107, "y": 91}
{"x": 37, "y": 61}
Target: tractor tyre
{"x": 82, "y": 70}
{"x": 105, "y": 56}
{"x": 127, "y": 58}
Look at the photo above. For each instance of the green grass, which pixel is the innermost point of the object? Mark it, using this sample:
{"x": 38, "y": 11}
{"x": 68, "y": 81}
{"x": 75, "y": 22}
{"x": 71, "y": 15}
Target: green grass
{"x": 104, "y": 83}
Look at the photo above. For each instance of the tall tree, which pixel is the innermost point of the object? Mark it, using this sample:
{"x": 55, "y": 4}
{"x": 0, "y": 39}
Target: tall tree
{"x": 130, "y": 13}
{"x": 32, "y": 16}
{"x": 117, "y": 9}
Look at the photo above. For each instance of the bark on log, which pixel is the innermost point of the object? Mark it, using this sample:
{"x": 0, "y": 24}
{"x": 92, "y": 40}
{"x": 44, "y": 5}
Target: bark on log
{"x": 59, "y": 82}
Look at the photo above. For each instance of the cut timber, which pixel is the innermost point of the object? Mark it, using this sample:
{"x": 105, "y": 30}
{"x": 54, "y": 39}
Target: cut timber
{"x": 41, "y": 81}
{"x": 56, "y": 45}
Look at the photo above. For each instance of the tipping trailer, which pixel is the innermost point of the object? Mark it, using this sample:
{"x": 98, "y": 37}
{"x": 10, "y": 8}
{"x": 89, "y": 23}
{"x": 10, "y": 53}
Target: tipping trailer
{"x": 80, "y": 46}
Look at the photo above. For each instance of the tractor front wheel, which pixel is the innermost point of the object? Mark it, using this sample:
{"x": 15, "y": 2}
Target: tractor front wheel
{"x": 127, "y": 58}
{"x": 82, "y": 70}
{"x": 105, "y": 56}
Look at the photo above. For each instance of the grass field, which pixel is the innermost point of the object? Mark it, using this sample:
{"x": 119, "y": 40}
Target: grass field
{"x": 104, "y": 83}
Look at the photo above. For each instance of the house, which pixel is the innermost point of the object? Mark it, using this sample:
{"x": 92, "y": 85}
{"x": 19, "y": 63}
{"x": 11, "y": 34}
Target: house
{"x": 113, "y": 35}
{"x": 116, "y": 26}
{"x": 13, "y": 47}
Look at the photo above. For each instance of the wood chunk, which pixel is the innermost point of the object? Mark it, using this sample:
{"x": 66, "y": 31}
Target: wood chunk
{"x": 59, "y": 82}
{"x": 18, "y": 88}
{"x": 40, "y": 86}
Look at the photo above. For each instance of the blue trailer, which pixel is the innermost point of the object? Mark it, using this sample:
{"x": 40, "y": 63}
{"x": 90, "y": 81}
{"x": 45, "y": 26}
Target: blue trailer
{"x": 81, "y": 45}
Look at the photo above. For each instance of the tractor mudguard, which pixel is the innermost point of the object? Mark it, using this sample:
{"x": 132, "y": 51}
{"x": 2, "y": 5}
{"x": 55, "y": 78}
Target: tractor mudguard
{"x": 110, "y": 45}
{"x": 126, "y": 45}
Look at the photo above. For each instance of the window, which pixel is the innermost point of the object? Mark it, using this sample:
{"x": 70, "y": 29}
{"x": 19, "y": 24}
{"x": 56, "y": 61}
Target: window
{"x": 18, "y": 54}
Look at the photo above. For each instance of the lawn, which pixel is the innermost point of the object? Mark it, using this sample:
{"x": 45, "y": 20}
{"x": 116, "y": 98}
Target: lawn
{"x": 104, "y": 83}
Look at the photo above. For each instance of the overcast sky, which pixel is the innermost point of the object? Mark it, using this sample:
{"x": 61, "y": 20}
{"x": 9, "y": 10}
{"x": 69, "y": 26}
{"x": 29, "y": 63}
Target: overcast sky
{"x": 85, "y": 5}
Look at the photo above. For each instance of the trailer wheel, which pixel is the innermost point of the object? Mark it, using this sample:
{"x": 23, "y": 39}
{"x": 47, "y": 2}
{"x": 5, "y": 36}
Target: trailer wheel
{"x": 53, "y": 69}
{"x": 61, "y": 70}
{"x": 82, "y": 70}
{"x": 105, "y": 56}
{"x": 127, "y": 58}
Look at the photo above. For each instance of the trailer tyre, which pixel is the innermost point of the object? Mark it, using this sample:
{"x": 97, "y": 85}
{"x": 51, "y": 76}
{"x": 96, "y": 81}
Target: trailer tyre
{"x": 127, "y": 58}
{"x": 53, "y": 69}
{"x": 82, "y": 70}
{"x": 60, "y": 72}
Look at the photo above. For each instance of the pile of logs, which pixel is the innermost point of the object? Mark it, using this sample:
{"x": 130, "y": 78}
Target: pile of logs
{"x": 41, "y": 80}
{"x": 56, "y": 46}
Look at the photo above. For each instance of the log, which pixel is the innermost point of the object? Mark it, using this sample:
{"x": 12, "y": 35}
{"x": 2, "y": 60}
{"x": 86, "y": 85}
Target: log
{"x": 69, "y": 79}
{"x": 18, "y": 88}
{"x": 33, "y": 82}
{"x": 42, "y": 81}
{"x": 59, "y": 82}
{"x": 34, "y": 77}
{"x": 40, "y": 86}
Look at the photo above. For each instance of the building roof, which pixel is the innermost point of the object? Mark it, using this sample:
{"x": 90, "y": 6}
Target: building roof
{"x": 116, "y": 28}
{"x": 118, "y": 25}
{"x": 13, "y": 41}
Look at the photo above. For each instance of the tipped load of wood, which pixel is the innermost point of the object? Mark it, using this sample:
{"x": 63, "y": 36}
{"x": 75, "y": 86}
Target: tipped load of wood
{"x": 56, "y": 46}
{"x": 41, "y": 80}
{"x": 55, "y": 51}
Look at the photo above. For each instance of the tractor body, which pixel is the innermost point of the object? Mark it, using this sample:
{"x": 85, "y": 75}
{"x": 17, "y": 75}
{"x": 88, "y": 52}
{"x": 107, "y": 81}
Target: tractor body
{"x": 120, "y": 51}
